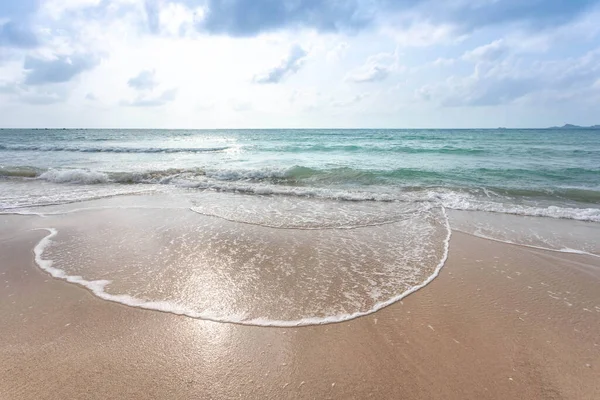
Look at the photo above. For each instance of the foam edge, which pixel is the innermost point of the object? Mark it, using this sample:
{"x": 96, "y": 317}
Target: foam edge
{"x": 565, "y": 250}
{"x": 98, "y": 289}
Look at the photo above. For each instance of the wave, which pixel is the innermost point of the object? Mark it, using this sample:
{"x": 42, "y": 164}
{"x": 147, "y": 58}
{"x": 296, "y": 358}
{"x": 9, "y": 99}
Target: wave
{"x": 303, "y": 175}
{"x": 348, "y": 184}
{"x": 89, "y": 177}
{"x": 97, "y": 287}
{"x": 317, "y": 148}
{"x": 454, "y": 200}
{"x": 298, "y": 174}
{"x": 462, "y": 202}
{"x": 74, "y": 176}
{"x": 529, "y": 246}
{"x": 291, "y": 175}
{"x": 348, "y": 175}
{"x": 293, "y": 148}
{"x": 20, "y": 172}
{"x": 100, "y": 149}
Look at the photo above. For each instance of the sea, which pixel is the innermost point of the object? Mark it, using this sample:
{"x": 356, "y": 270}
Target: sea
{"x": 289, "y": 227}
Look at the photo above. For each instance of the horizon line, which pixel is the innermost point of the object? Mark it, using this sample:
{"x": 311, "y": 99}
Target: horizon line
{"x": 290, "y": 129}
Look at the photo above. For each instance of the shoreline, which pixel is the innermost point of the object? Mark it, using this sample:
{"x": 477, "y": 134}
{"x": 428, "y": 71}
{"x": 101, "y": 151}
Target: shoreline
{"x": 476, "y": 331}
{"x": 97, "y": 289}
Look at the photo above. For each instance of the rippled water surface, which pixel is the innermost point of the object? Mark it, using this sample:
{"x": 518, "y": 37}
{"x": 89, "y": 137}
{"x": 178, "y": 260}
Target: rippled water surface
{"x": 289, "y": 227}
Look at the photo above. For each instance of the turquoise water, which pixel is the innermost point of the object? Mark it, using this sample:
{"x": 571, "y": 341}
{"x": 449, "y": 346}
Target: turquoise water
{"x": 493, "y": 170}
{"x": 288, "y": 228}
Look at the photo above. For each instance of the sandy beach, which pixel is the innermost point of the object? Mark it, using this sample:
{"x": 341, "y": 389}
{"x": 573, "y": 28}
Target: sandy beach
{"x": 500, "y": 322}
{"x": 299, "y": 199}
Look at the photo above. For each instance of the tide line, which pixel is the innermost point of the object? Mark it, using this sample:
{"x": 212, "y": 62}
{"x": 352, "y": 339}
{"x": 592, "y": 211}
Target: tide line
{"x": 98, "y": 287}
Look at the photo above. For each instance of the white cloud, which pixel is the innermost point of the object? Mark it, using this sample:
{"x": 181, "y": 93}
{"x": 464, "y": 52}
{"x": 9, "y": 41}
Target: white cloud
{"x": 422, "y": 34}
{"x": 444, "y": 62}
{"x": 306, "y": 99}
{"x": 487, "y": 53}
{"x": 516, "y": 80}
{"x": 288, "y": 66}
{"x": 145, "y": 80}
{"x": 170, "y": 18}
{"x": 56, "y": 9}
{"x": 351, "y": 101}
{"x": 34, "y": 95}
{"x": 153, "y": 100}
{"x": 189, "y": 70}
{"x": 337, "y": 52}
{"x": 376, "y": 68}
{"x": 240, "y": 105}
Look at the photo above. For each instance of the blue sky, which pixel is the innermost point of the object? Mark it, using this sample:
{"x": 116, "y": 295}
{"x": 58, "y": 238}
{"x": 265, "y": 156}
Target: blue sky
{"x": 299, "y": 63}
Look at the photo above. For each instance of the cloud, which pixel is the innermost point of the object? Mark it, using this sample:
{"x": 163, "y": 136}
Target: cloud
{"x": 428, "y": 20}
{"x": 306, "y": 99}
{"x": 8, "y": 88}
{"x": 288, "y": 66}
{"x": 33, "y": 95}
{"x": 57, "y": 9}
{"x": 175, "y": 19}
{"x": 491, "y": 91}
{"x": 145, "y": 83}
{"x": 534, "y": 13}
{"x": 513, "y": 79}
{"x": 513, "y": 51}
{"x": 374, "y": 73}
{"x": 17, "y": 9}
{"x": 145, "y": 80}
{"x": 205, "y": 106}
{"x": 41, "y": 99}
{"x": 422, "y": 33}
{"x": 251, "y": 17}
{"x": 482, "y": 88}
{"x": 444, "y": 62}
{"x": 337, "y": 52}
{"x": 351, "y": 101}
{"x": 153, "y": 101}
{"x": 15, "y": 35}
{"x": 377, "y": 68}
{"x": 240, "y": 105}
{"x": 58, "y": 70}
{"x": 487, "y": 53}
{"x": 152, "y": 9}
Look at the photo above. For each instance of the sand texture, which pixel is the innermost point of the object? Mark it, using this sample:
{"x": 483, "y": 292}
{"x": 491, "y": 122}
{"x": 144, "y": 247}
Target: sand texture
{"x": 500, "y": 322}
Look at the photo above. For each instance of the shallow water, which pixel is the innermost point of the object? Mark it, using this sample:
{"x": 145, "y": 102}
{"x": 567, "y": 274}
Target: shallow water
{"x": 289, "y": 227}
{"x": 176, "y": 260}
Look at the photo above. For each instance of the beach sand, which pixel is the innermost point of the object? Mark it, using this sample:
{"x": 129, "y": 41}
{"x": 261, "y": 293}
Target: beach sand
{"x": 500, "y": 322}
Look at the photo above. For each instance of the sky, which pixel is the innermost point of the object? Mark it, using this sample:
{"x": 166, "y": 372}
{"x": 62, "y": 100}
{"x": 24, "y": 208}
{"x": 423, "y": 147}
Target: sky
{"x": 205, "y": 64}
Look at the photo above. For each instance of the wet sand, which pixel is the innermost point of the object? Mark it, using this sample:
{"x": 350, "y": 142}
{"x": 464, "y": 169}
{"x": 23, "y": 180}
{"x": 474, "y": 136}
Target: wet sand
{"x": 500, "y": 322}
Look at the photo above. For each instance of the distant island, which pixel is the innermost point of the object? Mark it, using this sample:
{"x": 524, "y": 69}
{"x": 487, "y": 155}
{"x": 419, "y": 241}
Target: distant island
{"x": 571, "y": 126}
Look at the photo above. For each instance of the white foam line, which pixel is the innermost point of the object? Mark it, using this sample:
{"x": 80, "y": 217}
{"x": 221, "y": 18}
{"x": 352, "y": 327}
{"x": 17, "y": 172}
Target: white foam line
{"x": 22, "y": 213}
{"x": 83, "y": 209}
{"x": 97, "y": 288}
{"x": 300, "y": 228}
{"x": 565, "y": 250}
{"x": 12, "y": 210}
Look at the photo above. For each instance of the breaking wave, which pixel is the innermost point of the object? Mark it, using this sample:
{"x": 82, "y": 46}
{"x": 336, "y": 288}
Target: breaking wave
{"x": 100, "y": 149}
{"x": 348, "y": 184}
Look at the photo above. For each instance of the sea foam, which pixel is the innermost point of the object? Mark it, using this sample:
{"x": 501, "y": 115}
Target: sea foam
{"x": 105, "y": 149}
{"x": 74, "y": 176}
{"x": 99, "y": 289}
{"x": 341, "y": 184}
